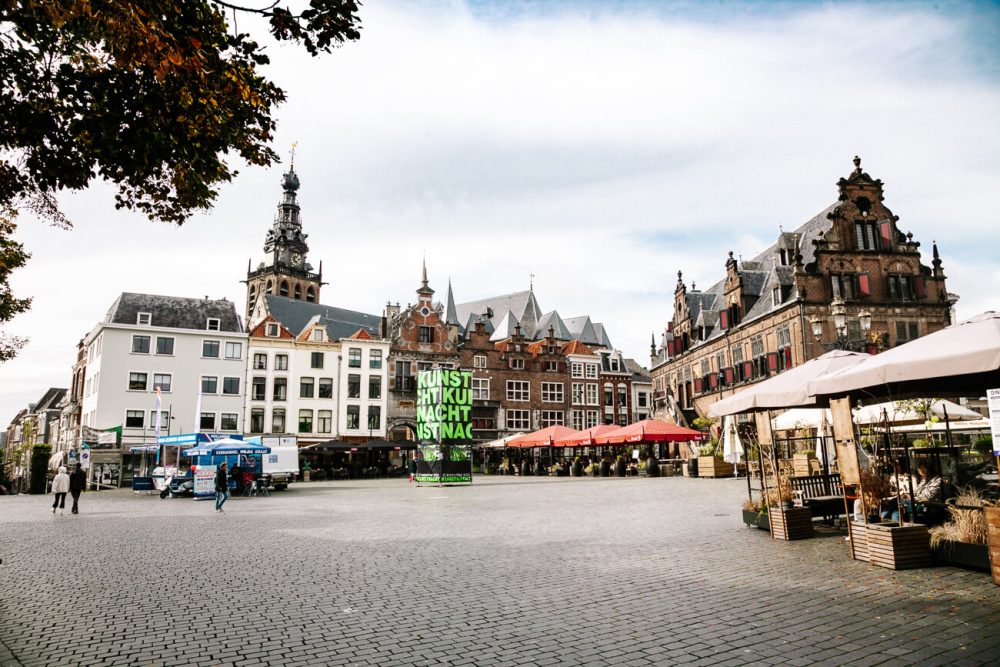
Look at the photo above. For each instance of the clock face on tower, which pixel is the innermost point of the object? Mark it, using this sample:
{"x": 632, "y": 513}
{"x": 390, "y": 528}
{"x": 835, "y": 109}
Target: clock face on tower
{"x": 296, "y": 260}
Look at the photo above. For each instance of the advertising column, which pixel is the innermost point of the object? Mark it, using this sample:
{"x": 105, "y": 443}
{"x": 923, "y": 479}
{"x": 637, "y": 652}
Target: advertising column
{"x": 444, "y": 426}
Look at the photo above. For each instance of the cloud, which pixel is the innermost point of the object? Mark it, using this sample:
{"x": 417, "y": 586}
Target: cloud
{"x": 600, "y": 148}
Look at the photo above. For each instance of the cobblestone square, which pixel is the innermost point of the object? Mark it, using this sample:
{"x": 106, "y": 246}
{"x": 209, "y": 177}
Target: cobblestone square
{"x": 510, "y": 571}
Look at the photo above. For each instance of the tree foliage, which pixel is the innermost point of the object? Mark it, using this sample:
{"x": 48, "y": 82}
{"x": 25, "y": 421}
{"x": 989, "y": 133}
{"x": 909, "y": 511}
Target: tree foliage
{"x": 153, "y": 96}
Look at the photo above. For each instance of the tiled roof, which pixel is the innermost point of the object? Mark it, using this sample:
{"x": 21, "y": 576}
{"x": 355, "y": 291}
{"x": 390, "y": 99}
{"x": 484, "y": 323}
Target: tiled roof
{"x": 361, "y": 334}
{"x": 339, "y": 322}
{"x": 174, "y": 312}
{"x": 260, "y": 331}
{"x": 639, "y": 373}
{"x": 505, "y": 327}
{"x": 553, "y": 320}
{"x": 521, "y": 304}
{"x": 575, "y": 346}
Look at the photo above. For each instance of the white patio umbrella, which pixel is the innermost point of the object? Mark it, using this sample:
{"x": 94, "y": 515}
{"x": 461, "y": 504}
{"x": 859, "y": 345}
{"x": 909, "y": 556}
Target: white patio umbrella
{"x": 961, "y": 359}
{"x": 899, "y": 412}
{"x": 788, "y": 389}
{"x": 800, "y": 418}
{"x": 732, "y": 448}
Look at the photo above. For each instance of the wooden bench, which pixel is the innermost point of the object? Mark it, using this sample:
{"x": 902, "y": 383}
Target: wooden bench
{"x": 822, "y": 494}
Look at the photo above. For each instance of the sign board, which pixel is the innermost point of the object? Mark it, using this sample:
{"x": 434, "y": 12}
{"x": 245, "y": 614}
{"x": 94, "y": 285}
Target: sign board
{"x": 993, "y": 401}
{"x": 204, "y": 481}
{"x": 444, "y": 426}
{"x": 85, "y": 457}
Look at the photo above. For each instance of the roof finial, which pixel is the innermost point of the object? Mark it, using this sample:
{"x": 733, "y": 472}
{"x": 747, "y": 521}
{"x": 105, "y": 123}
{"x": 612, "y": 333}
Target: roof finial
{"x": 292, "y": 164}
{"x": 423, "y": 278}
{"x": 531, "y": 282}
{"x": 857, "y": 165}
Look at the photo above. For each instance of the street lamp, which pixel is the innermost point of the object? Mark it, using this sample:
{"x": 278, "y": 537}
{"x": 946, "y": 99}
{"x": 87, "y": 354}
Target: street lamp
{"x": 838, "y": 314}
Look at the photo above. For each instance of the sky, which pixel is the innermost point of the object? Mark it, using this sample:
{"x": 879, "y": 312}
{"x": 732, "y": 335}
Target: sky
{"x": 599, "y": 147}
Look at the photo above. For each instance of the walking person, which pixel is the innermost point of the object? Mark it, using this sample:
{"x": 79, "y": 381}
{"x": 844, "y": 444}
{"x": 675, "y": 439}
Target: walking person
{"x": 412, "y": 465}
{"x": 60, "y": 485}
{"x": 221, "y": 487}
{"x": 77, "y": 481}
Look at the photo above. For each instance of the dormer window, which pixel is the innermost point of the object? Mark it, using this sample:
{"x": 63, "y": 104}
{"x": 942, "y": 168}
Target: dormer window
{"x": 212, "y": 324}
{"x": 317, "y": 334}
{"x": 776, "y": 296}
{"x": 144, "y": 319}
{"x": 271, "y": 329}
{"x": 783, "y": 257}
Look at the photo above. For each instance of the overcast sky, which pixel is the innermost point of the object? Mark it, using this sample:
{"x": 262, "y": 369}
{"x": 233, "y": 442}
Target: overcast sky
{"x": 599, "y": 146}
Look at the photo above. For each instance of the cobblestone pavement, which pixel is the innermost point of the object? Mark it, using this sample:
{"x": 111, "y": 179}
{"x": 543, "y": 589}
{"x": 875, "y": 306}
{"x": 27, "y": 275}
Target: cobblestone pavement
{"x": 507, "y": 572}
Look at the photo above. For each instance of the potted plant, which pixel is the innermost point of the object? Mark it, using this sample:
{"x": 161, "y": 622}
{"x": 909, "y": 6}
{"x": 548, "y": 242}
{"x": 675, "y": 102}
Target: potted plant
{"x": 620, "y": 466}
{"x": 787, "y": 522}
{"x": 652, "y": 466}
{"x": 961, "y": 540}
{"x": 751, "y": 510}
{"x": 577, "y": 467}
{"x": 710, "y": 463}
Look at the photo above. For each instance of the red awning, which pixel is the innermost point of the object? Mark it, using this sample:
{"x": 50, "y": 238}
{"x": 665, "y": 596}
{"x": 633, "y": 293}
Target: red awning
{"x": 542, "y": 438}
{"x": 649, "y": 430}
{"x": 578, "y": 438}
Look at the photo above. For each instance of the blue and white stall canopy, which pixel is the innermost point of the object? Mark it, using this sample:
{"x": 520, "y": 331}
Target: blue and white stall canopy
{"x": 196, "y": 438}
{"x": 226, "y": 448}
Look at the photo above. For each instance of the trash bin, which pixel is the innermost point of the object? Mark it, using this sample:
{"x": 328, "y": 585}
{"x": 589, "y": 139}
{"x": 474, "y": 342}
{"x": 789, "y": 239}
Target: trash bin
{"x": 693, "y": 466}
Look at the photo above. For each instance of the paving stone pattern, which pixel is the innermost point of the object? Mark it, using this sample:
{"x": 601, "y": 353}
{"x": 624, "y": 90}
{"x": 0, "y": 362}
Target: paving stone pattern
{"x": 508, "y": 572}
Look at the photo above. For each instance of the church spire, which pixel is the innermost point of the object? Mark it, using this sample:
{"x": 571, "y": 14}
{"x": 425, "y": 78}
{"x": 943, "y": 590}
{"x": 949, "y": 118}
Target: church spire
{"x": 425, "y": 291}
{"x": 450, "y": 313}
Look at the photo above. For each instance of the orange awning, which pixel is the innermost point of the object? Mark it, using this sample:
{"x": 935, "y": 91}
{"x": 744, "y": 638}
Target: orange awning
{"x": 542, "y": 438}
{"x": 578, "y": 438}
{"x": 649, "y": 430}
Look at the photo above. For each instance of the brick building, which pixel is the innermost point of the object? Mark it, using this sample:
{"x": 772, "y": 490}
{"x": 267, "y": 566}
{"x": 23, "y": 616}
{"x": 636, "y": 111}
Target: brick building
{"x": 850, "y": 263}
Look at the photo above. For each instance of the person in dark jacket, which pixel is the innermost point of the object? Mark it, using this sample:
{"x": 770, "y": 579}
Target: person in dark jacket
{"x": 221, "y": 486}
{"x": 77, "y": 482}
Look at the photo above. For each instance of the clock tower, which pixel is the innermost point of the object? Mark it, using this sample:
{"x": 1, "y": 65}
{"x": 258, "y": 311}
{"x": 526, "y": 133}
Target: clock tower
{"x": 285, "y": 270}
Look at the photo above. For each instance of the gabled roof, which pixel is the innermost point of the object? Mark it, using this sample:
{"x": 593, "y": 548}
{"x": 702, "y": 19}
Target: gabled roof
{"x": 451, "y": 315}
{"x": 576, "y": 347}
{"x": 602, "y": 335}
{"x": 50, "y": 399}
{"x": 505, "y": 327}
{"x": 260, "y": 330}
{"x": 523, "y": 305}
{"x": 582, "y": 328}
{"x": 639, "y": 373}
{"x": 339, "y": 322}
{"x": 174, "y": 312}
{"x": 470, "y": 325}
{"x": 361, "y": 334}
{"x": 552, "y": 319}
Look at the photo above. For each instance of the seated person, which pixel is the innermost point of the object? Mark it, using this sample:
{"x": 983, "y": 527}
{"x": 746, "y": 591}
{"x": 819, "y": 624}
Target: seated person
{"x": 929, "y": 489}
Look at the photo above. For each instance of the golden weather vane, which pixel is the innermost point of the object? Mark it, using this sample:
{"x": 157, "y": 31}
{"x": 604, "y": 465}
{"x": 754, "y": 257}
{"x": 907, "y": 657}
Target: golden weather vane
{"x": 294, "y": 146}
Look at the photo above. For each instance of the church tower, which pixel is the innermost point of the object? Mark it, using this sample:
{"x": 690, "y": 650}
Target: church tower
{"x": 285, "y": 271}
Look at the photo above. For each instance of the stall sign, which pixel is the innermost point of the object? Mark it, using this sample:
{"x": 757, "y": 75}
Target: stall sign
{"x": 444, "y": 426}
{"x": 993, "y": 401}
{"x": 85, "y": 457}
{"x": 204, "y": 481}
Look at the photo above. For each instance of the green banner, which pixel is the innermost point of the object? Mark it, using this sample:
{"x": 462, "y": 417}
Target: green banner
{"x": 444, "y": 426}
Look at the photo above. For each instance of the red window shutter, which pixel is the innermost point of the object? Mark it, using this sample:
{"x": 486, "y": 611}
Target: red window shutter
{"x": 788, "y": 357}
{"x": 864, "y": 288}
{"x": 671, "y": 347}
{"x": 670, "y": 327}
{"x": 730, "y": 375}
{"x": 713, "y": 381}
{"x": 697, "y": 385}
{"x": 885, "y": 230}
{"x": 510, "y": 362}
{"x": 920, "y": 285}
{"x": 747, "y": 368}
{"x": 724, "y": 319}
{"x": 772, "y": 361}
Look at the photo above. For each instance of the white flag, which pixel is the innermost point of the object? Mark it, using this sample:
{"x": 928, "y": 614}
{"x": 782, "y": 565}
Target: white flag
{"x": 197, "y": 412}
{"x": 158, "y": 418}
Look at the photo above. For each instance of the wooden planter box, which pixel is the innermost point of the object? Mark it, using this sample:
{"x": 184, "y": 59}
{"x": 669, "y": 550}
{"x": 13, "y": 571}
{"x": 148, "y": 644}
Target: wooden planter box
{"x": 793, "y": 524}
{"x": 963, "y": 554}
{"x": 750, "y": 519}
{"x": 898, "y": 547}
{"x": 859, "y": 541}
{"x": 993, "y": 540}
{"x": 714, "y": 466}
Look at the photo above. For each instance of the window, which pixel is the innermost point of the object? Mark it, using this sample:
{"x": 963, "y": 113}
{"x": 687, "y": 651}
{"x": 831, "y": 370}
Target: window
{"x": 551, "y": 418}
{"x": 552, "y": 366}
{"x": 517, "y": 420}
{"x": 209, "y": 384}
{"x": 483, "y": 424}
{"x": 278, "y": 420}
{"x": 324, "y": 421}
{"x": 906, "y": 331}
{"x": 317, "y": 334}
{"x": 234, "y": 350}
{"x": 354, "y": 357}
{"x": 622, "y": 419}
{"x": 271, "y": 330}
{"x": 259, "y": 389}
{"x": 479, "y": 361}
{"x": 593, "y": 418}
{"x": 281, "y": 362}
{"x": 144, "y": 319}
{"x": 353, "y": 386}
{"x": 481, "y": 389}
{"x": 776, "y": 297}
{"x": 374, "y": 387}
{"x": 280, "y": 389}
{"x": 642, "y": 399}
{"x": 140, "y": 344}
{"x": 230, "y": 421}
{"x": 164, "y": 345}
{"x": 316, "y": 360}
{"x": 900, "y": 288}
{"x": 212, "y": 324}
{"x": 609, "y": 395}
{"x": 375, "y": 359}
{"x": 622, "y": 395}
{"x": 161, "y": 381}
{"x": 306, "y": 386}
{"x": 325, "y": 388}
{"x": 426, "y": 335}
{"x": 552, "y": 392}
{"x": 374, "y": 417}
{"x": 591, "y": 394}
{"x": 137, "y": 381}
{"x": 207, "y": 421}
{"x": 423, "y": 366}
{"x": 866, "y": 235}
{"x": 578, "y": 394}
{"x": 576, "y": 420}
{"x": 260, "y": 362}
{"x": 517, "y": 364}
{"x": 135, "y": 418}
{"x": 353, "y": 417}
{"x": 577, "y": 369}
{"x": 518, "y": 390}
{"x": 257, "y": 420}
{"x": 305, "y": 421}
{"x": 591, "y": 371}
{"x": 404, "y": 379}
